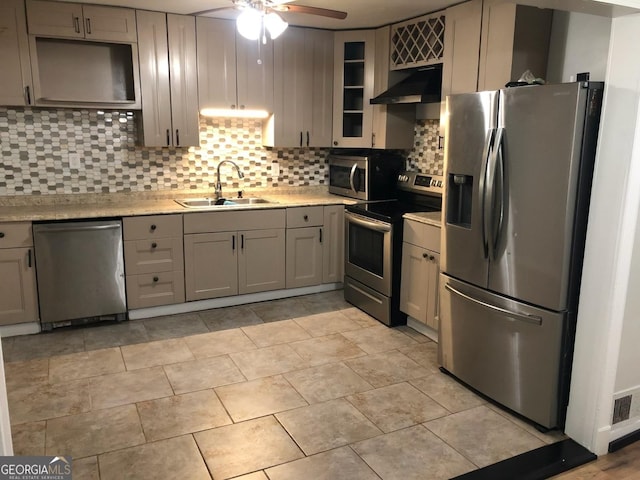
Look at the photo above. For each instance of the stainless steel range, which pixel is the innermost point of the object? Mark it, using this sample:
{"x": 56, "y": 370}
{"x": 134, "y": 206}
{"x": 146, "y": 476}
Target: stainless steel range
{"x": 373, "y": 245}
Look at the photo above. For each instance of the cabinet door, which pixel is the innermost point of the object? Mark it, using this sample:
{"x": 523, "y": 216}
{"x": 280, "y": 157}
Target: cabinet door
{"x": 333, "y": 244}
{"x": 109, "y": 23}
{"x": 210, "y": 265}
{"x": 414, "y": 282}
{"x": 184, "y": 80}
{"x": 254, "y": 74}
{"x": 433, "y": 303}
{"x": 353, "y": 88}
{"x": 15, "y": 75}
{"x": 291, "y": 86}
{"x": 18, "y": 303}
{"x": 154, "y": 78}
{"x": 55, "y": 19}
{"x": 261, "y": 261}
{"x": 304, "y": 257}
{"x": 318, "y": 115}
{"x": 461, "y": 48}
{"x": 216, "y": 63}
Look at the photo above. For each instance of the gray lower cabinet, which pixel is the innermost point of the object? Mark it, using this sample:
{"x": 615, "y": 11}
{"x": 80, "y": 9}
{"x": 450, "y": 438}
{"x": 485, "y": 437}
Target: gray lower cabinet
{"x": 18, "y": 298}
{"x": 234, "y": 252}
{"x": 420, "y": 270}
{"x": 315, "y": 245}
{"x": 154, "y": 264}
{"x": 15, "y": 74}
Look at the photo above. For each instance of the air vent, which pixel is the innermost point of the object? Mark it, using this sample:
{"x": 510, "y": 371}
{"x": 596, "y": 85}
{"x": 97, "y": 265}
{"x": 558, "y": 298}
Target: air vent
{"x": 621, "y": 409}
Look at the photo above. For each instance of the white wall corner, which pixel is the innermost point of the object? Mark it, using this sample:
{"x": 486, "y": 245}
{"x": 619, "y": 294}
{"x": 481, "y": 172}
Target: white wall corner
{"x": 609, "y": 248}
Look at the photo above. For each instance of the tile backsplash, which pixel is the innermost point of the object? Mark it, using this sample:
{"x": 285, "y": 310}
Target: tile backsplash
{"x": 50, "y": 151}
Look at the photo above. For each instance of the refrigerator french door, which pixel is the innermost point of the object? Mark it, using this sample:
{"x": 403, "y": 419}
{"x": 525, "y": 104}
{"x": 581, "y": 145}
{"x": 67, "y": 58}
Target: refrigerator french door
{"x": 518, "y": 168}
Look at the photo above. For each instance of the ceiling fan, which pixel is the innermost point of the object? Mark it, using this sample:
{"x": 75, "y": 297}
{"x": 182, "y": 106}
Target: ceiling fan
{"x": 268, "y": 6}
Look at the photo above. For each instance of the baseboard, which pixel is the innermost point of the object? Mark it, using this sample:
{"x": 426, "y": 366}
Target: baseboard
{"x": 422, "y": 328}
{"x": 622, "y": 442}
{"x": 538, "y": 464}
{"x": 19, "y": 329}
{"x": 229, "y": 301}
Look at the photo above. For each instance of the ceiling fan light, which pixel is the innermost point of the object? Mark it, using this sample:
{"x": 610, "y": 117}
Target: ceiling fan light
{"x": 249, "y": 23}
{"x": 274, "y": 24}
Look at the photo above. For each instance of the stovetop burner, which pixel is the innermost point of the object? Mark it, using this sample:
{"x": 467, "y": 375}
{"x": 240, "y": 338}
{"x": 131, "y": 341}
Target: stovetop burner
{"x": 389, "y": 211}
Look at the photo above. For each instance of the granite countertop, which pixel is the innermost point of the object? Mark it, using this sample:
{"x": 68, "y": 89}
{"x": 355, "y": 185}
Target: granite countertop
{"x": 63, "y": 207}
{"x": 430, "y": 218}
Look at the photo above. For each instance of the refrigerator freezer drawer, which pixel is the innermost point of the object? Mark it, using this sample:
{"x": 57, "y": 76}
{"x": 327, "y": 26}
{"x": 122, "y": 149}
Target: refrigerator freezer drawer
{"x": 506, "y": 350}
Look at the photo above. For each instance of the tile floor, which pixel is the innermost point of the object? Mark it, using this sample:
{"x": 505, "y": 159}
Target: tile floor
{"x": 307, "y": 387}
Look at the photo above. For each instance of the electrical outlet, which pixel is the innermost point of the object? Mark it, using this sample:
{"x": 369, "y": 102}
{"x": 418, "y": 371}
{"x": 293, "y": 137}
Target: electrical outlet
{"x": 275, "y": 169}
{"x": 74, "y": 161}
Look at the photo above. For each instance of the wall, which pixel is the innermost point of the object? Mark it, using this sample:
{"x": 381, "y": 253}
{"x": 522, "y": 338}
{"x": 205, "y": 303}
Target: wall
{"x": 608, "y": 306}
{"x": 38, "y": 148}
{"x": 579, "y": 43}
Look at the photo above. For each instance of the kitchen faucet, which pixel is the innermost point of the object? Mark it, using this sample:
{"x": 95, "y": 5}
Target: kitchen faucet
{"x": 218, "y": 190}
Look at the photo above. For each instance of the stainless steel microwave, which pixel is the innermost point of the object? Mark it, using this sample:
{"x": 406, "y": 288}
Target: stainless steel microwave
{"x": 365, "y": 177}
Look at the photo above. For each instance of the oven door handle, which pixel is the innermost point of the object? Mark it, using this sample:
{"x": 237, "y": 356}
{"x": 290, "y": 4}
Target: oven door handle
{"x": 352, "y": 177}
{"x": 364, "y": 222}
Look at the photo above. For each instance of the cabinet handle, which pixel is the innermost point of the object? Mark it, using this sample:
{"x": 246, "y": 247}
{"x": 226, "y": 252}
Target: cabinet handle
{"x": 321, "y": 235}
{"x": 241, "y": 107}
{"x": 306, "y": 218}
{"x": 242, "y": 242}
{"x": 233, "y": 107}
{"x": 440, "y": 142}
{"x": 177, "y": 137}
{"x": 29, "y": 258}
{"x": 425, "y": 255}
{"x": 88, "y": 26}
{"x": 155, "y": 279}
{"x": 168, "y": 137}
{"x": 154, "y": 245}
{"x": 233, "y": 242}
{"x": 300, "y": 138}
{"x": 307, "y": 138}
{"x": 373, "y": 139}
{"x": 1, "y": 234}
{"x": 335, "y": 142}
{"x": 153, "y": 226}
{"x": 76, "y": 24}
{"x": 432, "y": 258}
{"x": 27, "y": 94}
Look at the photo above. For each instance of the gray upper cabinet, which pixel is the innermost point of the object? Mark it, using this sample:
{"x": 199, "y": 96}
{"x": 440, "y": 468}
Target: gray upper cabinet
{"x": 303, "y": 90}
{"x": 514, "y": 38}
{"x": 168, "y": 79}
{"x": 15, "y": 74}
{"x": 233, "y": 72}
{"x": 56, "y": 19}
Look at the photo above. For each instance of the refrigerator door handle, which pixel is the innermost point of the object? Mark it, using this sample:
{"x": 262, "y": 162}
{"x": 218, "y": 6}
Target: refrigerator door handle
{"x": 498, "y": 192}
{"x": 486, "y": 191}
{"x": 534, "y": 319}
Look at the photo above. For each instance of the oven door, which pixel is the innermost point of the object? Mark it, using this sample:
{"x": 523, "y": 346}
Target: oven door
{"x": 347, "y": 177}
{"x": 368, "y": 246}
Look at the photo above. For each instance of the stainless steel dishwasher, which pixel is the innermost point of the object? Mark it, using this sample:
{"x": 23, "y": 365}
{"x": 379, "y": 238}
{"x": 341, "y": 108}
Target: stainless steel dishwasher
{"x": 80, "y": 271}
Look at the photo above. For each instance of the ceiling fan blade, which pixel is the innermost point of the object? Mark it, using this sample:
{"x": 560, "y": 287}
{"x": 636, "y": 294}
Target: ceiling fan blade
{"x": 213, "y": 10}
{"x": 324, "y": 12}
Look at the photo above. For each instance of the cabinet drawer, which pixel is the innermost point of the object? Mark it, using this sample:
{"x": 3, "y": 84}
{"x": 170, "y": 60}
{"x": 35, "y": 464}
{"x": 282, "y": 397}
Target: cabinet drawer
{"x": 152, "y": 290}
{"x": 212, "y": 222}
{"x": 153, "y": 255}
{"x": 15, "y": 235}
{"x": 422, "y": 235}
{"x": 153, "y": 226}
{"x": 305, "y": 217}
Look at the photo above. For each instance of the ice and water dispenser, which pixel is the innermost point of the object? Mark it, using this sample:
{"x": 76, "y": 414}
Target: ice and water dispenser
{"x": 459, "y": 199}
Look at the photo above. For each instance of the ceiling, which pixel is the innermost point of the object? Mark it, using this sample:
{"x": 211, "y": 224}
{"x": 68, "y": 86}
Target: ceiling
{"x": 363, "y": 13}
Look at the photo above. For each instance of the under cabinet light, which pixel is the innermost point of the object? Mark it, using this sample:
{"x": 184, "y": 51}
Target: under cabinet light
{"x": 233, "y": 113}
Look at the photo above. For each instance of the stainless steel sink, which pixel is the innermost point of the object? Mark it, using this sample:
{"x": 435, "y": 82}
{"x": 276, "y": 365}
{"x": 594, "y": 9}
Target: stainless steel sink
{"x": 212, "y": 202}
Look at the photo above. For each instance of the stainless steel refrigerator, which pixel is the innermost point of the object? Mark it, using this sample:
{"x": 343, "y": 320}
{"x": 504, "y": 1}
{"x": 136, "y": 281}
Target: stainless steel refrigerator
{"x": 518, "y": 170}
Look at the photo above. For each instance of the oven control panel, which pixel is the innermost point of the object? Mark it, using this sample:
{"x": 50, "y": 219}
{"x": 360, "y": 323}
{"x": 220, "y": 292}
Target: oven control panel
{"x": 418, "y": 182}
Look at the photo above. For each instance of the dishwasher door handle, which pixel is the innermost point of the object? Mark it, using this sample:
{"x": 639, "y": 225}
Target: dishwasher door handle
{"x": 88, "y": 228}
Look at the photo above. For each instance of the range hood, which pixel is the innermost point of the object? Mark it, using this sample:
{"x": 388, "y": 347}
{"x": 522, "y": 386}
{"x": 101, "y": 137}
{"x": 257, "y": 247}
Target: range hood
{"x": 421, "y": 86}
